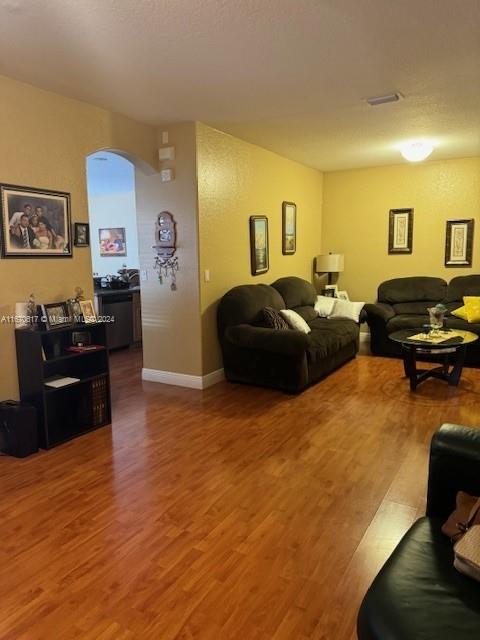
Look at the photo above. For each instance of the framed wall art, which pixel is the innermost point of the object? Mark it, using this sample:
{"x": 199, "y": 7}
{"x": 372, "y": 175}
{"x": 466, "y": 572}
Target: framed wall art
{"x": 289, "y": 228}
{"x": 81, "y": 234}
{"x": 400, "y": 231}
{"x": 259, "y": 244}
{"x": 35, "y": 222}
{"x": 112, "y": 241}
{"x": 459, "y": 243}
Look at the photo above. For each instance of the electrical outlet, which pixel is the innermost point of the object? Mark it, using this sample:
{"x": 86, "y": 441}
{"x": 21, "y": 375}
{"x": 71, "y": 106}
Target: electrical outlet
{"x": 143, "y": 275}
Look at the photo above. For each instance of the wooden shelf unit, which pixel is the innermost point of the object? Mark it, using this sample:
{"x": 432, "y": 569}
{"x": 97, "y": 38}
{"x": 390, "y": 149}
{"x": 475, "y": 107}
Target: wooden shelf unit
{"x": 65, "y": 412}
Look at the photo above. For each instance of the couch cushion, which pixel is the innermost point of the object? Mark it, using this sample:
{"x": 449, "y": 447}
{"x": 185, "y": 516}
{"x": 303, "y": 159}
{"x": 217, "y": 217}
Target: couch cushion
{"x": 417, "y": 308}
{"x": 419, "y": 595}
{"x": 296, "y": 292}
{"x": 404, "y": 321}
{"x": 463, "y": 286}
{"x": 413, "y": 289}
{"x": 307, "y": 312}
{"x": 457, "y": 323}
{"x": 328, "y": 336}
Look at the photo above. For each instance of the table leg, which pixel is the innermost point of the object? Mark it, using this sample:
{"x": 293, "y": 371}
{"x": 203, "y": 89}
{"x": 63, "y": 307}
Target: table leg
{"x": 410, "y": 366}
{"x": 454, "y": 377}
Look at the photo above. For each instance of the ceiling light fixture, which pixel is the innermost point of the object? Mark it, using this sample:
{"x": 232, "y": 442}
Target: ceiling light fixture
{"x": 391, "y": 97}
{"x": 416, "y": 150}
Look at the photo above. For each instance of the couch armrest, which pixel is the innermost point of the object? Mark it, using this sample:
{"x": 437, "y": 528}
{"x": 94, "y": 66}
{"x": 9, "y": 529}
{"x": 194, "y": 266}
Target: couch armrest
{"x": 379, "y": 311}
{"x": 454, "y": 466}
{"x": 282, "y": 341}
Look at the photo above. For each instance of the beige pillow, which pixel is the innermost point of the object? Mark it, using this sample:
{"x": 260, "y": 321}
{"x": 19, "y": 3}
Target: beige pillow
{"x": 347, "y": 309}
{"x": 324, "y": 306}
{"x": 295, "y": 320}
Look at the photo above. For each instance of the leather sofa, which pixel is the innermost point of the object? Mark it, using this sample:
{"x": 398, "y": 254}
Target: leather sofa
{"x": 284, "y": 359}
{"x": 418, "y": 594}
{"x": 402, "y": 304}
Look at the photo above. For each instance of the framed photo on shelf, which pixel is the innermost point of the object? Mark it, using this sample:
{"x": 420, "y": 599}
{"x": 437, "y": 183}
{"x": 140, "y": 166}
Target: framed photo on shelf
{"x": 56, "y": 314}
{"x": 330, "y": 290}
{"x": 289, "y": 228}
{"x": 459, "y": 243}
{"x": 343, "y": 295}
{"x": 259, "y": 261}
{"x": 81, "y": 234}
{"x": 400, "y": 231}
{"x": 88, "y": 311}
{"x": 113, "y": 241}
{"x": 35, "y": 222}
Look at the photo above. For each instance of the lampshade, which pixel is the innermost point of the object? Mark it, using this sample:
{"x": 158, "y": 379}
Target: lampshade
{"x": 329, "y": 263}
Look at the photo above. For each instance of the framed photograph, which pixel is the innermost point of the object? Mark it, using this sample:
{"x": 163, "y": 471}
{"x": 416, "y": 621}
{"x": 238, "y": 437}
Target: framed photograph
{"x": 88, "y": 311}
{"x": 400, "y": 231}
{"x": 459, "y": 243}
{"x": 35, "y": 223}
{"x": 343, "y": 295}
{"x": 75, "y": 310}
{"x": 112, "y": 241}
{"x": 55, "y": 314}
{"x": 81, "y": 234}
{"x": 259, "y": 244}
{"x": 289, "y": 228}
{"x": 330, "y": 290}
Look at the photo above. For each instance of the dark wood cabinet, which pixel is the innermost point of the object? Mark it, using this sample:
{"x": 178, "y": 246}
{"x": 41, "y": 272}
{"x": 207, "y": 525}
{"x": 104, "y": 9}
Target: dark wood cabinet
{"x": 68, "y": 411}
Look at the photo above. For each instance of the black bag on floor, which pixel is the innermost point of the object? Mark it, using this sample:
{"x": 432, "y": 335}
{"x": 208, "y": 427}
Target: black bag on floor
{"x": 18, "y": 429}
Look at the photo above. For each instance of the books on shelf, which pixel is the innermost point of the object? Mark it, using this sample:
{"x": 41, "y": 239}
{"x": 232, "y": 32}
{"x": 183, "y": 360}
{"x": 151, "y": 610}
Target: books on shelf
{"x": 87, "y": 347}
{"x": 57, "y": 383}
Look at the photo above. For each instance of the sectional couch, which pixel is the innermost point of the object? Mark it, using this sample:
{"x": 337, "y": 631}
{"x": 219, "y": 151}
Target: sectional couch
{"x": 284, "y": 359}
{"x": 402, "y": 304}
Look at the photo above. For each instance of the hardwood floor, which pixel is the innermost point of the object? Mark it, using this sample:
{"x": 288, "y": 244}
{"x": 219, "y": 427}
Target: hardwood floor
{"x": 233, "y": 513}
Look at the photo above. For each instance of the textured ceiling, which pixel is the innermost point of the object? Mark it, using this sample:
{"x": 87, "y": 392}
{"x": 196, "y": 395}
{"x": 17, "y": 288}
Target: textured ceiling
{"x": 289, "y": 75}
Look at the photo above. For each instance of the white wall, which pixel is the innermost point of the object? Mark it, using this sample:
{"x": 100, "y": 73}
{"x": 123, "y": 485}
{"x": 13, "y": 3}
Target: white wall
{"x": 113, "y": 210}
{"x": 111, "y": 203}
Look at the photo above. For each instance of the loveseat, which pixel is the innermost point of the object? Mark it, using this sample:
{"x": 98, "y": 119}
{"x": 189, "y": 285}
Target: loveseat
{"x": 284, "y": 359}
{"x": 402, "y": 304}
{"x": 418, "y": 594}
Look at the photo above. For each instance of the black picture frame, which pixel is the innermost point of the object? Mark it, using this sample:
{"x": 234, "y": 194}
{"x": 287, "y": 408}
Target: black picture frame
{"x": 81, "y": 234}
{"x": 459, "y": 243}
{"x": 48, "y": 231}
{"x": 259, "y": 250}
{"x": 289, "y": 228}
{"x": 54, "y": 315}
{"x": 400, "y": 231}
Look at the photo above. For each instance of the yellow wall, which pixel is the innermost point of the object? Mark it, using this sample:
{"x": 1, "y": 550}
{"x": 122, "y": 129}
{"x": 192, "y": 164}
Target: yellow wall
{"x": 355, "y": 219}
{"x": 44, "y": 141}
{"x": 236, "y": 180}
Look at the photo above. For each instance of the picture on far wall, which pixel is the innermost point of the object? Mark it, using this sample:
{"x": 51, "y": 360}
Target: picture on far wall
{"x": 259, "y": 244}
{"x": 35, "y": 222}
{"x": 289, "y": 228}
{"x": 112, "y": 242}
{"x": 459, "y": 243}
{"x": 400, "y": 231}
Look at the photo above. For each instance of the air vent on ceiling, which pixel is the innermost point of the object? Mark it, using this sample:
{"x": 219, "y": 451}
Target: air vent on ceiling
{"x": 392, "y": 97}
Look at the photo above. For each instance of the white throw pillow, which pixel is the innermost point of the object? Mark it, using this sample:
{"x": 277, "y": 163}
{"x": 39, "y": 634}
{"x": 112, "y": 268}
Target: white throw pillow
{"x": 347, "y": 309}
{"x": 295, "y": 320}
{"x": 324, "y": 306}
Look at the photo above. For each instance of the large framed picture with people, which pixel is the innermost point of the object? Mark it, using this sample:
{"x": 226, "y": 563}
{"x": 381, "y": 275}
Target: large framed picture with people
{"x": 35, "y": 223}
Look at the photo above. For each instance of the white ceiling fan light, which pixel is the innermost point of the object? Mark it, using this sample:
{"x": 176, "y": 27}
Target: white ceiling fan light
{"x": 416, "y": 150}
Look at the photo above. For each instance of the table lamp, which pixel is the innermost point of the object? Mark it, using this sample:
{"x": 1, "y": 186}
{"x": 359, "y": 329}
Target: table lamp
{"x": 329, "y": 263}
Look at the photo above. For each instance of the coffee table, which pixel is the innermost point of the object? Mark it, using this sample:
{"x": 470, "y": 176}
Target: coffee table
{"x": 455, "y": 348}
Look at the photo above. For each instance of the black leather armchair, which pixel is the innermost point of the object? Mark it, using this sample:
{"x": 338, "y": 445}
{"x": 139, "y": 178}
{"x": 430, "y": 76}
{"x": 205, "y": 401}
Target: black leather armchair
{"x": 418, "y": 594}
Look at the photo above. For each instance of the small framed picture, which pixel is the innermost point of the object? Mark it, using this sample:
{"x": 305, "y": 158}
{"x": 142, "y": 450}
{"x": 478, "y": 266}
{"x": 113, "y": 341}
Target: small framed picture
{"x": 259, "y": 244}
{"x": 289, "y": 228}
{"x": 459, "y": 243}
{"x": 88, "y": 311}
{"x": 330, "y": 290}
{"x": 81, "y": 234}
{"x": 342, "y": 295}
{"x": 55, "y": 314}
{"x": 113, "y": 241}
{"x": 400, "y": 231}
{"x": 75, "y": 311}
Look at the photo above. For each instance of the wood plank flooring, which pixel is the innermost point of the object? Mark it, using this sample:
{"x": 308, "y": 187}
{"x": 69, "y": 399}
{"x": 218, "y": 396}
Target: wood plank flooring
{"x": 233, "y": 513}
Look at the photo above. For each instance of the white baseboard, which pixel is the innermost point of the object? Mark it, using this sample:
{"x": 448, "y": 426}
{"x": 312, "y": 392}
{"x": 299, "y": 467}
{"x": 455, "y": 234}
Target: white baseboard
{"x": 183, "y": 379}
{"x": 364, "y": 337}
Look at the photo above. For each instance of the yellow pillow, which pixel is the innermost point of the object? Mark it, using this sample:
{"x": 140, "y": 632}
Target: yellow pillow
{"x": 472, "y": 305}
{"x": 461, "y": 312}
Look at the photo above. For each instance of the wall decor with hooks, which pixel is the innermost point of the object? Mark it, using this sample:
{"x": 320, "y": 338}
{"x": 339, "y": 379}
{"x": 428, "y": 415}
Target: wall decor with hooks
{"x": 166, "y": 262}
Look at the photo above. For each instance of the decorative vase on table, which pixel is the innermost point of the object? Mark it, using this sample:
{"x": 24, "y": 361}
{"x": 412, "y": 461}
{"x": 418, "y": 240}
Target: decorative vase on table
{"x": 437, "y": 317}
